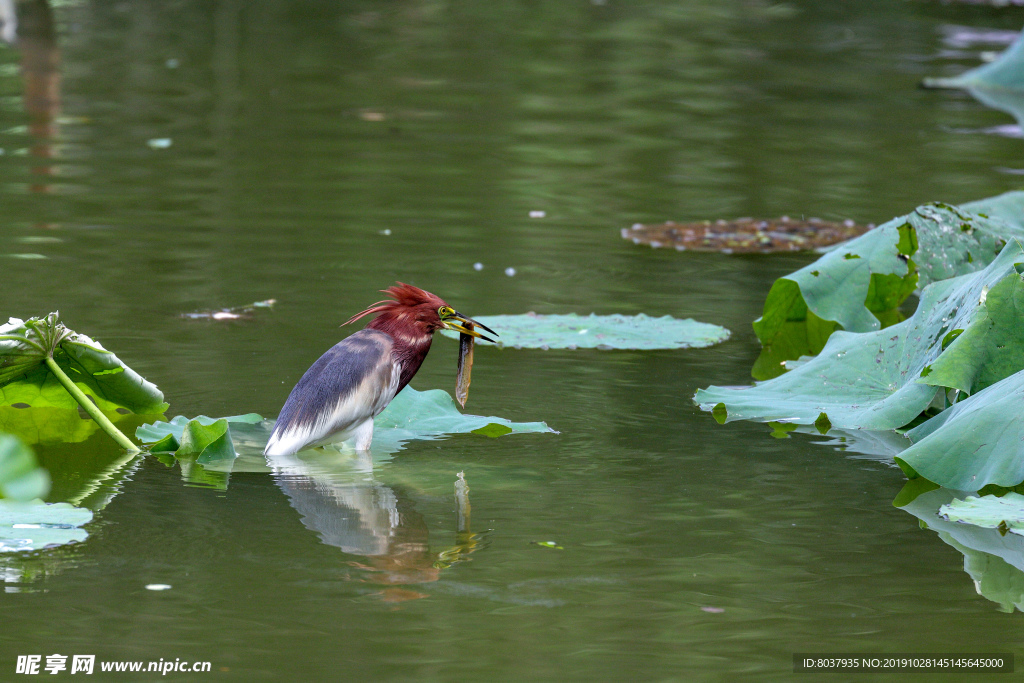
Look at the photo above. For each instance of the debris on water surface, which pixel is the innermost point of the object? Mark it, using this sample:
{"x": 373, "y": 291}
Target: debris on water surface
{"x": 158, "y": 586}
{"x": 746, "y": 235}
{"x": 236, "y": 313}
{"x": 510, "y": 271}
{"x": 538, "y": 214}
{"x": 548, "y": 544}
{"x": 159, "y": 143}
{"x": 478, "y": 266}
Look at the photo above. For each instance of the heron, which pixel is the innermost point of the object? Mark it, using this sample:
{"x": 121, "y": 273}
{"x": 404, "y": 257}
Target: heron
{"x": 354, "y": 381}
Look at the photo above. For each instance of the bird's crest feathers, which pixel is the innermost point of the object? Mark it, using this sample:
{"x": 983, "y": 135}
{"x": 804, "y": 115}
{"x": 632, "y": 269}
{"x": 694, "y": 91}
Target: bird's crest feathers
{"x": 402, "y": 296}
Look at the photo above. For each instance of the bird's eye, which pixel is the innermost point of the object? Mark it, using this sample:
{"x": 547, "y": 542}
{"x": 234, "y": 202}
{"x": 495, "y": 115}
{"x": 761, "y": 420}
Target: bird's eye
{"x": 444, "y": 311}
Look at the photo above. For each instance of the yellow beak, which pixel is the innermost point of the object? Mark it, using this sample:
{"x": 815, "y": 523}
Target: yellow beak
{"x": 457, "y": 321}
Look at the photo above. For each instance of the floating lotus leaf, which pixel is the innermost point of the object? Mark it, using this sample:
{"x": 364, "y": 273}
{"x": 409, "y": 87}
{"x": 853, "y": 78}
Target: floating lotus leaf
{"x": 884, "y": 379}
{"x": 37, "y": 525}
{"x": 991, "y": 512}
{"x": 410, "y": 416}
{"x": 859, "y": 286}
{"x": 745, "y": 235}
{"x": 26, "y": 382}
{"x": 204, "y": 438}
{"x": 573, "y": 331}
{"x": 20, "y": 477}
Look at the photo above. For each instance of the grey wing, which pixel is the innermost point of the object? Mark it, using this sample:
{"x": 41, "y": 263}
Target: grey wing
{"x": 350, "y": 384}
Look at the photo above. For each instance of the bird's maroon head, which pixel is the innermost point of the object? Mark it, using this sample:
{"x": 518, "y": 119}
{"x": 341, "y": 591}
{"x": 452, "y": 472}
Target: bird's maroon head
{"x": 415, "y": 312}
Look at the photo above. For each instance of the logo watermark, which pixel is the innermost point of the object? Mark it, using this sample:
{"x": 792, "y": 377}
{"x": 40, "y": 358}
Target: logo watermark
{"x": 87, "y": 664}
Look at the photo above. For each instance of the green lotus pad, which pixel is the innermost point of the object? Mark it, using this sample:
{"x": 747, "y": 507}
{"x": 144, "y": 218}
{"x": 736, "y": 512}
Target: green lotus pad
{"x": 962, "y": 336}
{"x": 411, "y": 415}
{"x": 26, "y": 382}
{"x": 858, "y": 286}
{"x": 640, "y": 332}
{"x": 991, "y": 512}
{"x": 38, "y": 525}
{"x": 976, "y": 442}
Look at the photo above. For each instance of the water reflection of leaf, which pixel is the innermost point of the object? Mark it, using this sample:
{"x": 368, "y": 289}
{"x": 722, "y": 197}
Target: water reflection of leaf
{"x": 21, "y": 478}
{"x": 993, "y": 560}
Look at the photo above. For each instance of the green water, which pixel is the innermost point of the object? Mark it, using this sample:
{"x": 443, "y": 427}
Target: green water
{"x": 320, "y": 151}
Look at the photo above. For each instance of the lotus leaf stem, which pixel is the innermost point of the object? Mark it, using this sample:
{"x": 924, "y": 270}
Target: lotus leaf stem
{"x": 91, "y": 408}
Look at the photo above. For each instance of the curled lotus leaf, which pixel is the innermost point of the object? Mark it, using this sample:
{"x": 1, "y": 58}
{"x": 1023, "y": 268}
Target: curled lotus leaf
{"x": 25, "y": 381}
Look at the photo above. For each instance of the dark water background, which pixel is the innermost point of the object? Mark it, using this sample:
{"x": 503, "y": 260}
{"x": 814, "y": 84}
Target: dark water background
{"x": 319, "y": 151}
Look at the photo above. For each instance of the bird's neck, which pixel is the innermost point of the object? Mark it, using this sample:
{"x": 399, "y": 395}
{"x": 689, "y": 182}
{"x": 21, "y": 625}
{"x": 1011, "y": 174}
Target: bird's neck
{"x": 411, "y": 343}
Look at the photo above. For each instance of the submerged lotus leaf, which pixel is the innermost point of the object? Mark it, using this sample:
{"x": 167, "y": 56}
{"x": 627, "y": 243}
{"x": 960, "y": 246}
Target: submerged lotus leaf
{"x": 858, "y": 286}
{"x": 976, "y": 442}
{"x": 573, "y": 331}
{"x": 745, "y": 235}
{"x": 37, "y": 525}
{"x": 21, "y": 478}
{"x": 872, "y": 380}
{"x": 25, "y": 381}
{"x": 991, "y": 512}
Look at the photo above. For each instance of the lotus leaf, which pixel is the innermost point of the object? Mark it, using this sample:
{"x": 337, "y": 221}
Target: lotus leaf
{"x": 204, "y": 439}
{"x": 37, "y": 525}
{"x": 573, "y": 331}
{"x": 1007, "y": 207}
{"x": 25, "y": 381}
{"x": 411, "y": 415}
{"x": 859, "y": 285}
{"x": 57, "y": 425}
{"x": 976, "y": 442}
{"x": 21, "y": 478}
{"x": 877, "y": 380}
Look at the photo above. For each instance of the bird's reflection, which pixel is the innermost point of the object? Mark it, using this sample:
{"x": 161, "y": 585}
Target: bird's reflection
{"x": 340, "y": 500}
